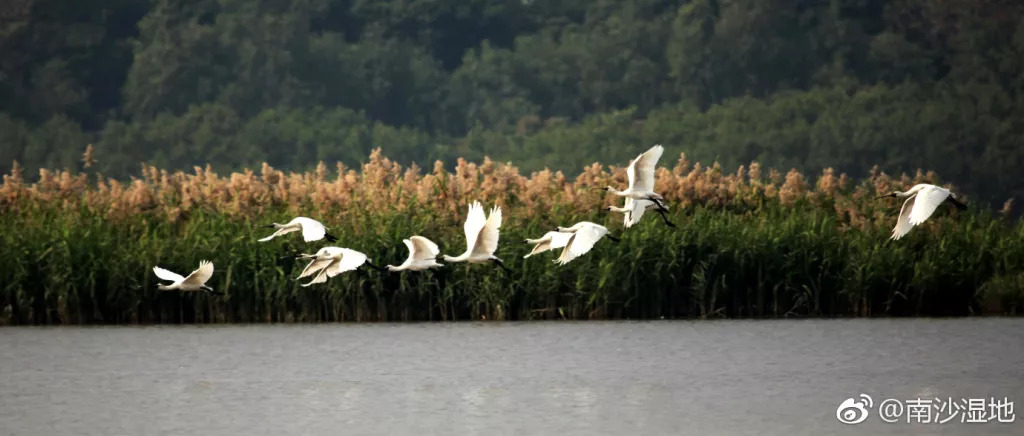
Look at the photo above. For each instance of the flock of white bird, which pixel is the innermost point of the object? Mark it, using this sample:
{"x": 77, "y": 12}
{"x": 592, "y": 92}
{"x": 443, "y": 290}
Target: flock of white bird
{"x": 482, "y": 232}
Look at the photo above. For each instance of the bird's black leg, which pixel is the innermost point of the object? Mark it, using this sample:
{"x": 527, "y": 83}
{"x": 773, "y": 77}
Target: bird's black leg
{"x": 665, "y": 218}
{"x": 661, "y": 210}
{"x": 501, "y": 264}
{"x": 661, "y": 206}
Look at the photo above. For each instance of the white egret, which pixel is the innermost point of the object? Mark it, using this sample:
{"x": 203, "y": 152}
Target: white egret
{"x": 481, "y": 236}
{"x": 311, "y": 229}
{"x": 641, "y": 177}
{"x": 550, "y": 241}
{"x": 194, "y": 282}
{"x": 633, "y": 210}
{"x": 331, "y": 261}
{"x": 584, "y": 235}
{"x": 926, "y": 198}
{"x": 422, "y": 255}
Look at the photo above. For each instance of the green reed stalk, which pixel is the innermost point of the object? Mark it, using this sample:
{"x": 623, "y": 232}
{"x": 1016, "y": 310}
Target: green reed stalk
{"x": 70, "y": 268}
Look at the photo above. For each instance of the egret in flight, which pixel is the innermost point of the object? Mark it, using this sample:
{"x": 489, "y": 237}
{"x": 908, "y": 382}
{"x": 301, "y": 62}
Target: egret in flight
{"x": 584, "y": 235}
{"x": 311, "y": 229}
{"x": 481, "y": 236}
{"x": 922, "y": 199}
{"x": 422, "y": 255}
{"x": 194, "y": 282}
{"x": 641, "y": 178}
{"x": 633, "y": 210}
{"x": 550, "y": 241}
{"x": 331, "y": 261}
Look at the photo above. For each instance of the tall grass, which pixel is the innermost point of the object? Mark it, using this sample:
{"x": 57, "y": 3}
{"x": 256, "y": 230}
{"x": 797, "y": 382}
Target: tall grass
{"x": 79, "y": 247}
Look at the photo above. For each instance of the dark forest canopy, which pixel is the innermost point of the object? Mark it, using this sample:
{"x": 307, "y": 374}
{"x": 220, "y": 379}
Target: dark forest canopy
{"x": 849, "y": 84}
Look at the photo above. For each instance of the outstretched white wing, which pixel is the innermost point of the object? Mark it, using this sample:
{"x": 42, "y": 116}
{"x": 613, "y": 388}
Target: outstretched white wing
{"x": 637, "y": 209}
{"x": 488, "y": 240}
{"x": 201, "y": 274}
{"x": 550, "y": 241}
{"x": 581, "y": 242}
{"x": 322, "y": 276}
{"x": 167, "y": 275}
{"x": 903, "y": 224}
{"x": 475, "y": 221}
{"x": 312, "y": 230}
{"x": 926, "y": 202}
{"x": 350, "y": 260}
{"x": 412, "y": 253}
{"x": 421, "y": 248}
{"x": 277, "y": 233}
{"x": 314, "y": 266}
{"x": 641, "y": 170}
{"x": 627, "y": 216}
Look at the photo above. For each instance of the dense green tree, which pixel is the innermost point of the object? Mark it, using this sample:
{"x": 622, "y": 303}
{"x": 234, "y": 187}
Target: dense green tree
{"x": 849, "y": 84}
{"x": 447, "y": 28}
{"x": 65, "y": 57}
{"x": 485, "y": 93}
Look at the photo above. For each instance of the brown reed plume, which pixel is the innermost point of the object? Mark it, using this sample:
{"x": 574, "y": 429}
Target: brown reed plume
{"x": 382, "y": 185}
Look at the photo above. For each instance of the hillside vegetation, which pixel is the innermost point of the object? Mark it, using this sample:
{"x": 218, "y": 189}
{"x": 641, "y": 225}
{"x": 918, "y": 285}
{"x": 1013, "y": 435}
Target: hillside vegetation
{"x": 847, "y": 84}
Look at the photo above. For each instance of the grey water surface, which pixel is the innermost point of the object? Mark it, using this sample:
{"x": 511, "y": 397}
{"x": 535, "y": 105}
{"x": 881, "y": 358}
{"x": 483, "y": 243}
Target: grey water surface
{"x": 551, "y": 378}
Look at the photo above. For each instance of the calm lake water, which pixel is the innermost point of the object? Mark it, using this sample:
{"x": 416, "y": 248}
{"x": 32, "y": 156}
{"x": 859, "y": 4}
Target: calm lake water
{"x": 586, "y": 378}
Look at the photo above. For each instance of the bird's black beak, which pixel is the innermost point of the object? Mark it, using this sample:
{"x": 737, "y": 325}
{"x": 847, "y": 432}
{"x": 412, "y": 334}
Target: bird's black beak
{"x": 614, "y": 239}
{"x": 883, "y": 196}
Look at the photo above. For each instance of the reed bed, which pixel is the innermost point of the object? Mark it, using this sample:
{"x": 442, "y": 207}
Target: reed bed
{"x": 78, "y": 247}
